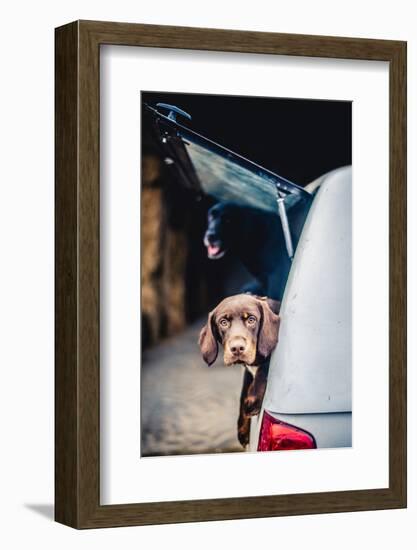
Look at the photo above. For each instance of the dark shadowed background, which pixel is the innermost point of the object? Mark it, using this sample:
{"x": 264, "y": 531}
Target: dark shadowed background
{"x": 300, "y": 139}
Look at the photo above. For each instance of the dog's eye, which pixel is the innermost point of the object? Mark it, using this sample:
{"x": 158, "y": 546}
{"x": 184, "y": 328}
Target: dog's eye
{"x": 224, "y": 323}
{"x": 251, "y": 320}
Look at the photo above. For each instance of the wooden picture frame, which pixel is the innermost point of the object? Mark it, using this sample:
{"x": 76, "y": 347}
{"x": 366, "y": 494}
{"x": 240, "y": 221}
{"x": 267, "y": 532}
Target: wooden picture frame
{"x": 77, "y": 405}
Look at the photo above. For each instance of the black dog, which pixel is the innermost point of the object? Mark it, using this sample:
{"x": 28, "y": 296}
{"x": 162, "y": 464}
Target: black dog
{"x": 256, "y": 238}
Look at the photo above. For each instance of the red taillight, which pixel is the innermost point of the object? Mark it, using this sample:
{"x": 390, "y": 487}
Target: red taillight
{"x": 279, "y": 436}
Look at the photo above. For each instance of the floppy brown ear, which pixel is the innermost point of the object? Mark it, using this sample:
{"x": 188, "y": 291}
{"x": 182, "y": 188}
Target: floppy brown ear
{"x": 208, "y": 341}
{"x": 274, "y": 305}
{"x": 268, "y": 331}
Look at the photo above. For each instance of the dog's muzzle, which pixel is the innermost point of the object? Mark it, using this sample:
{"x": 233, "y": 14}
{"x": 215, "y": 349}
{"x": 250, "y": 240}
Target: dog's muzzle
{"x": 214, "y": 249}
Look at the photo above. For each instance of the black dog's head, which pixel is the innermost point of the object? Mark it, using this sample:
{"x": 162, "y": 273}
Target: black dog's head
{"x": 219, "y": 224}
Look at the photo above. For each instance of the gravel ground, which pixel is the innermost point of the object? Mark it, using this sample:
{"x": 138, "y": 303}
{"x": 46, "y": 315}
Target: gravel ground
{"x": 187, "y": 407}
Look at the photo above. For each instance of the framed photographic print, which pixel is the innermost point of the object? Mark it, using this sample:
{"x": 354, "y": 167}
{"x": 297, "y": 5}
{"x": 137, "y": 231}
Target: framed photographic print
{"x": 230, "y": 274}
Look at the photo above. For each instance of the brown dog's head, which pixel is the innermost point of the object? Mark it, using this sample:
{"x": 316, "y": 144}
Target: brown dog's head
{"x": 245, "y": 325}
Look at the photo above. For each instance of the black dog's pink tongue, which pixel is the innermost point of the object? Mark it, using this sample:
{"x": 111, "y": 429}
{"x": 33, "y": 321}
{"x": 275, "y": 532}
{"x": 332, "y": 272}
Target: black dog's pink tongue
{"x": 213, "y": 250}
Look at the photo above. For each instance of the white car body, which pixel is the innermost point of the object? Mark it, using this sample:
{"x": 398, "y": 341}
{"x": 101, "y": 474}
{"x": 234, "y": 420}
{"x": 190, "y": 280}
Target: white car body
{"x": 310, "y": 377}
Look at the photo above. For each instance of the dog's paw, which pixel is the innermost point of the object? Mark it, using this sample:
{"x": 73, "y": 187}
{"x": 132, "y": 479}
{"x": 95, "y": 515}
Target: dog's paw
{"x": 243, "y": 437}
{"x": 252, "y": 406}
{"x": 243, "y": 430}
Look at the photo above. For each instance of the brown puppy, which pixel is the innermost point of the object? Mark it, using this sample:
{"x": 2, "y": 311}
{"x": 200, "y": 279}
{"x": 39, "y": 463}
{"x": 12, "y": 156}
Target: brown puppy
{"x": 247, "y": 327}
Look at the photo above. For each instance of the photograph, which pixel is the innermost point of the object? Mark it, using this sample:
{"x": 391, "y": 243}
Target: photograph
{"x": 209, "y": 248}
{"x": 230, "y": 274}
{"x": 246, "y": 274}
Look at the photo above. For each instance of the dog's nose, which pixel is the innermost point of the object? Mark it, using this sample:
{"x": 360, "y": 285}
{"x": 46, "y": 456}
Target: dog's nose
{"x": 209, "y": 235}
{"x": 237, "y": 347}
